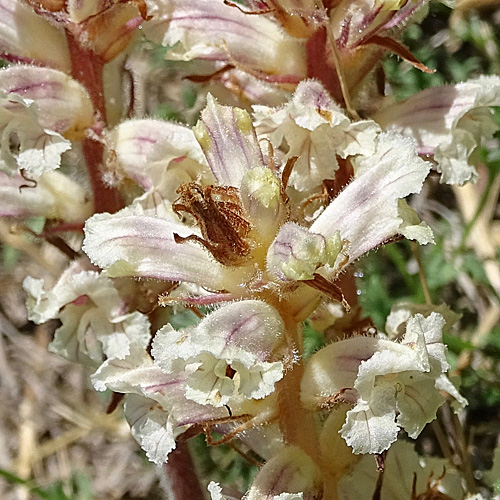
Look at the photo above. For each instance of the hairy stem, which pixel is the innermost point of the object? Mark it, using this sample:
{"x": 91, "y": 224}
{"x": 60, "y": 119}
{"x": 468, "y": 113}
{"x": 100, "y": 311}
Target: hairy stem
{"x": 296, "y": 423}
{"x": 87, "y": 68}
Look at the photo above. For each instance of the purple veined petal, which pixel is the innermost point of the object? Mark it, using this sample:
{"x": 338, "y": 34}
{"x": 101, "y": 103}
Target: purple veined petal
{"x": 352, "y": 20}
{"x": 404, "y": 13}
{"x": 23, "y": 202}
{"x": 136, "y": 141}
{"x": 136, "y": 374}
{"x": 241, "y": 336}
{"x": 430, "y": 115}
{"x": 249, "y": 325}
{"x": 21, "y": 31}
{"x": 256, "y": 6}
{"x": 142, "y": 246}
{"x": 210, "y": 30}
{"x": 335, "y": 368}
{"x": 297, "y": 253}
{"x": 229, "y": 142}
{"x": 155, "y": 407}
{"x": 55, "y": 197}
{"x": 63, "y": 105}
{"x": 436, "y": 119}
{"x": 156, "y": 427}
{"x": 25, "y": 144}
{"x": 366, "y": 212}
{"x": 290, "y": 474}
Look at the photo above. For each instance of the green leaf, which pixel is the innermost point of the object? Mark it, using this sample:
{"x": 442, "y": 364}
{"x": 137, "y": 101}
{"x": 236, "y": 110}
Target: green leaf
{"x": 456, "y": 344}
{"x": 52, "y": 492}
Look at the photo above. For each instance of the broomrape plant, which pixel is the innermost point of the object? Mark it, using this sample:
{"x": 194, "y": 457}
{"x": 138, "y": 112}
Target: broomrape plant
{"x": 253, "y": 218}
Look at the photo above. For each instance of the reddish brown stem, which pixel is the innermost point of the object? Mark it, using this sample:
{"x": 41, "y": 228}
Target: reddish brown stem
{"x": 86, "y": 67}
{"x": 318, "y": 66}
{"x": 181, "y": 478}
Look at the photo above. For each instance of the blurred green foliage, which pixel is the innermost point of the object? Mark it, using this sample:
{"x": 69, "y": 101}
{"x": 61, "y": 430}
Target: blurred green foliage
{"x": 76, "y": 488}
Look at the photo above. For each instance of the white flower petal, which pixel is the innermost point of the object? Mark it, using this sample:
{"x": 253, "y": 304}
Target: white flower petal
{"x": 151, "y": 427}
{"x": 21, "y": 30}
{"x": 366, "y": 211}
{"x": 211, "y": 30}
{"x": 95, "y": 325}
{"x": 297, "y": 253}
{"x": 133, "y": 245}
{"x": 411, "y": 227}
{"x": 62, "y": 104}
{"x": 335, "y": 367}
{"x": 145, "y": 147}
{"x": 448, "y": 122}
{"x": 371, "y": 427}
{"x": 226, "y": 353}
{"x": 228, "y": 140}
{"x": 417, "y": 401}
{"x": 25, "y": 144}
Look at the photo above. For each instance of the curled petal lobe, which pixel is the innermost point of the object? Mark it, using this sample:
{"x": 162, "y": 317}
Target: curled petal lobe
{"x": 393, "y": 385}
{"x": 95, "y": 322}
{"x": 227, "y": 353}
{"x": 156, "y": 407}
{"x": 395, "y": 324}
{"x": 151, "y": 426}
{"x": 62, "y": 104}
{"x": 216, "y": 492}
{"x": 297, "y": 253}
{"x": 25, "y": 144}
{"x": 412, "y": 227}
{"x": 370, "y": 427}
{"x": 316, "y": 131}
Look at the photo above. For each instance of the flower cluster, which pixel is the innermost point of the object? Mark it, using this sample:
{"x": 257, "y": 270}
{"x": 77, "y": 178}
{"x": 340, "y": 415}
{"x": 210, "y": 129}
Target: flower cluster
{"x": 253, "y": 218}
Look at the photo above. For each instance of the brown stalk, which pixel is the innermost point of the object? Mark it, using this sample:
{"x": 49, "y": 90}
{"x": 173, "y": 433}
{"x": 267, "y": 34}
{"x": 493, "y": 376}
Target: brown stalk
{"x": 181, "y": 480}
{"x": 87, "y": 68}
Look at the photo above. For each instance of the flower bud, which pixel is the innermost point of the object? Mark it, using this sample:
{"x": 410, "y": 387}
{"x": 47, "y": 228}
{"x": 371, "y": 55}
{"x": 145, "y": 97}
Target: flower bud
{"x": 289, "y": 471}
